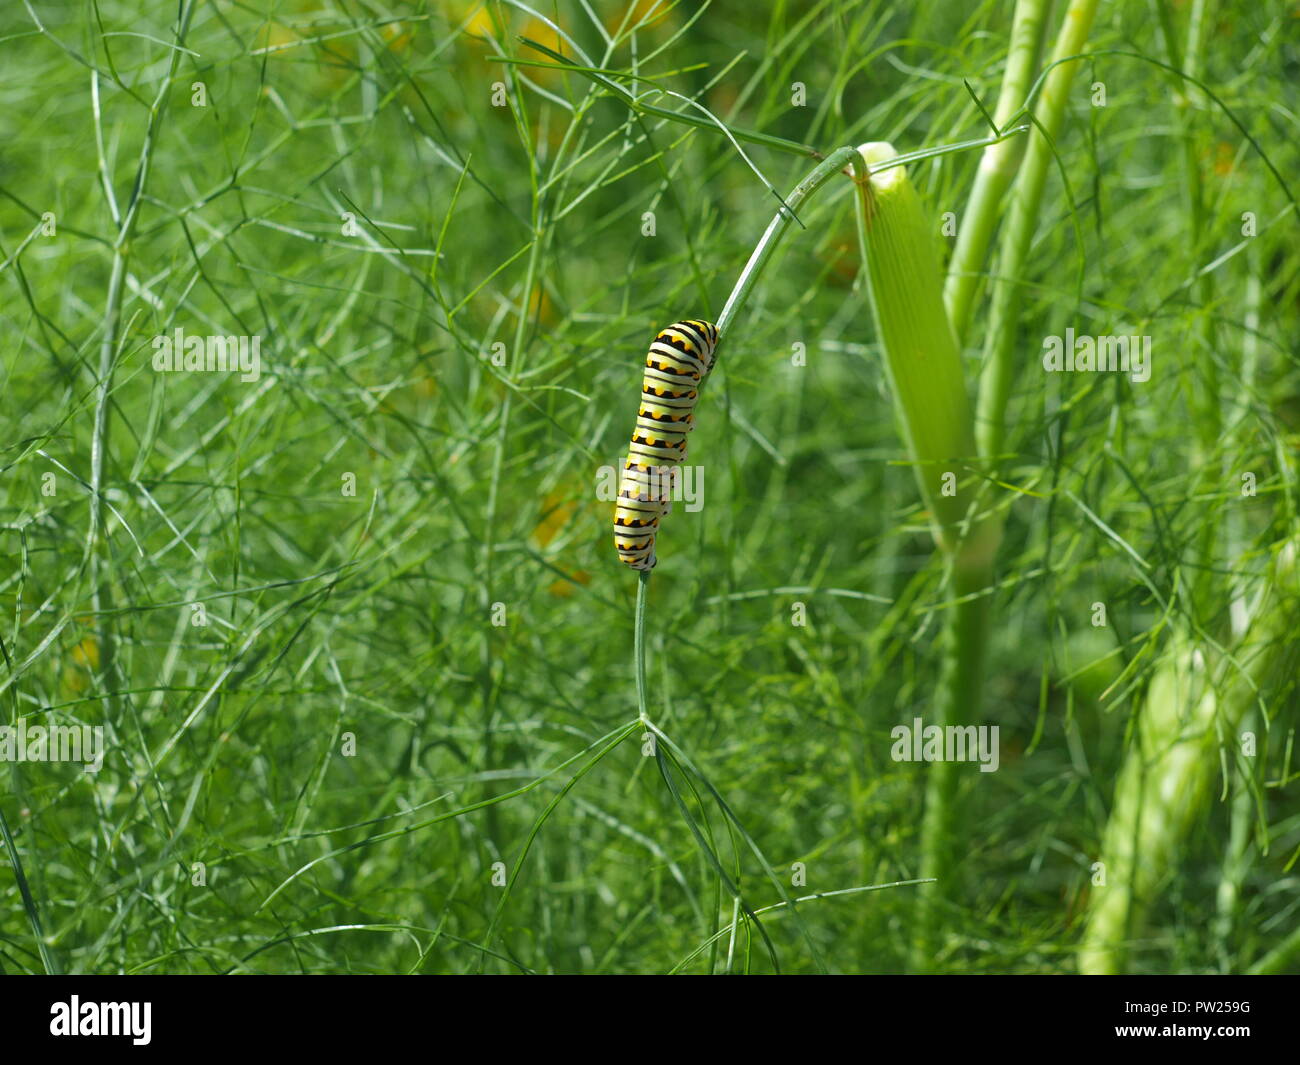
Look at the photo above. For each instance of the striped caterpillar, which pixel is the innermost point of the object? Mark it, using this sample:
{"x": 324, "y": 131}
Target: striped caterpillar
{"x": 679, "y": 358}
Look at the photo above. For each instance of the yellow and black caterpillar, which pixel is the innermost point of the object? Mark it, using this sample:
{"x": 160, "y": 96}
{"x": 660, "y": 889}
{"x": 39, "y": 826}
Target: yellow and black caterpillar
{"x": 679, "y": 358}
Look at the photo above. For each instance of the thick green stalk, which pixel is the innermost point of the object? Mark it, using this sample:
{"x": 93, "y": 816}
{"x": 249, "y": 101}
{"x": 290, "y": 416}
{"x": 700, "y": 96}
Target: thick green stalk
{"x": 957, "y": 702}
{"x": 997, "y": 167}
{"x": 933, "y": 413}
{"x": 999, "y": 346}
{"x": 920, "y": 352}
{"x": 1165, "y": 784}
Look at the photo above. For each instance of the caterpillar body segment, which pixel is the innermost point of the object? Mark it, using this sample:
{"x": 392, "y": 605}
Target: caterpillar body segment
{"x": 680, "y": 357}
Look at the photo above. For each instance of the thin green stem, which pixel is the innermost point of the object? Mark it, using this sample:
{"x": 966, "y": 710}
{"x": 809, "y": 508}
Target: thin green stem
{"x": 642, "y": 588}
{"x": 1248, "y": 799}
{"x": 29, "y": 902}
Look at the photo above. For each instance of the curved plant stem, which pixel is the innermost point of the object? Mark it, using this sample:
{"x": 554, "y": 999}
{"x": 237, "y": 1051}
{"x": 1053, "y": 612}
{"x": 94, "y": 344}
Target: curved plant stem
{"x": 846, "y": 158}
{"x": 824, "y": 171}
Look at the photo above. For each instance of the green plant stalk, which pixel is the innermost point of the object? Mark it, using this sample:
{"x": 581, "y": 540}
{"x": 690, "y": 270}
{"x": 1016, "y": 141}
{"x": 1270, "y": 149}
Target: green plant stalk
{"x": 921, "y": 360}
{"x": 1118, "y": 910}
{"x": 1166, "y": 780}
{"x": 997, "y": 167}
{"x": 905, "y": 286}
{"x": 957, "y": 701}
{"x": 489, "y": 685}
{"x": 999, "y": 346}
{"x": 1202, "y": 389}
